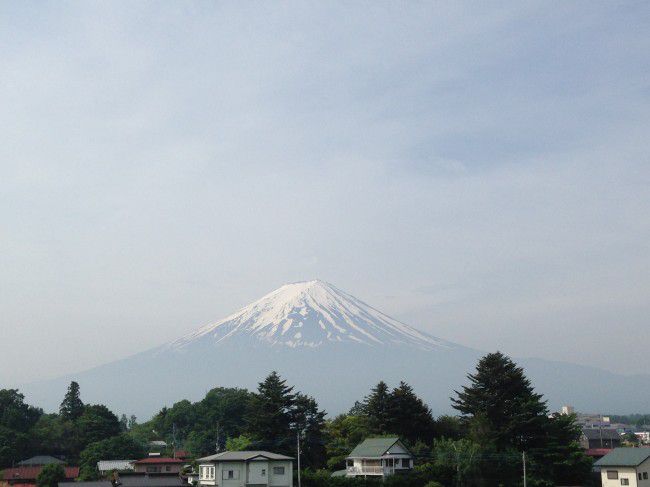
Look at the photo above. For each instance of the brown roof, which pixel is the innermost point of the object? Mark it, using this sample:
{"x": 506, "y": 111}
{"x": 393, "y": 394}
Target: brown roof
{"x": 157, "y": 460}
{"x": 30, "y": 473}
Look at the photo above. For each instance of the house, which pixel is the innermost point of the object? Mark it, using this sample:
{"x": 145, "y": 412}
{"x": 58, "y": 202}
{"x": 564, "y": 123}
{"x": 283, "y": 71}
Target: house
{"x": 40, "y": 461}
{"x": 108, "y": 466}
{"x": 26, "y": 476}
{"x": 600, "y": 438}
{"x": 250, "y": 468}
{"x": 379, "y": 457}
{"x": 625, "y": 466}
{"x": 158, "y": 465}
{"x": 643, "y": 436}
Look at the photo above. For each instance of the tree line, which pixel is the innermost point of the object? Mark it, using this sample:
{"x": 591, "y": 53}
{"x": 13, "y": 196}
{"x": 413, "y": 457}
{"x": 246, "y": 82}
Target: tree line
{"x": 500, "y": 419}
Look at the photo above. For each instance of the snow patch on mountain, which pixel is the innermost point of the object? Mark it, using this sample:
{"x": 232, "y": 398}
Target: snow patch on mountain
{"x": 312, "y": 314}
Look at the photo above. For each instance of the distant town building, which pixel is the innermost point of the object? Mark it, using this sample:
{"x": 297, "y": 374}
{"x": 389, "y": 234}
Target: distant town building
{"x": 643, "y": 436}
{"x": 379, "y": 457}
{"x": 625, "y": 466}
{"x": 566, "y": 410}
{"x": 237, "y": 468}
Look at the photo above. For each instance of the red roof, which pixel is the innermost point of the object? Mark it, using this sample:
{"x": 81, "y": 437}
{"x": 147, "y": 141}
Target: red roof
{"x": 158, "y": 460}
{"x": 30, "y": 473}
{"x": 181, "y": 454}
{"x": 598, "y": 452}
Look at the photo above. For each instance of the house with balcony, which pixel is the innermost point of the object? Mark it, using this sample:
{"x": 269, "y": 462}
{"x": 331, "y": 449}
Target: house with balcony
{"x": 379, "y": 457}
{"x": 246, "y": 468}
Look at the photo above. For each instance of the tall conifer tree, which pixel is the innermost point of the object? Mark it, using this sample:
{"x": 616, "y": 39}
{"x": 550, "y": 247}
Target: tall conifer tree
{"x": 269, "y": 421}
{"x": 71, "y": 407}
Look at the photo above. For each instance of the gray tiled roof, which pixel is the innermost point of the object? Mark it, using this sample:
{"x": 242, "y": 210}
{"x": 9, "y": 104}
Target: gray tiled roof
{"x": 373, "y": 447}
{"x": 242, "y": 456}
{"x": 40, "y": 460}
{"x": 133, "y": 481}
{"x": 624, "y": 457}
{"x": 607, "y": 433}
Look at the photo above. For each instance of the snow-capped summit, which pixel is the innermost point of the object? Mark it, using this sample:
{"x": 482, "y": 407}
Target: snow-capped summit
{"x": 312, "y": 314}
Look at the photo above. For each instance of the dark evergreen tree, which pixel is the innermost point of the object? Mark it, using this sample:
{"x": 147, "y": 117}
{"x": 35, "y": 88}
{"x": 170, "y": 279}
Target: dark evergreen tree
{"x": 408, "y": 416}
{"x": 501, "y": 402}
{"x": 506, "y": 417}
{"x": 375, "y": 407}
{"x": 309, "y": 423}
{"x": 71, "y": 407}
{"x": 269, "y": 420}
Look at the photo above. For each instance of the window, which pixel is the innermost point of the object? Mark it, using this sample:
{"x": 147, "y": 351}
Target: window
{"x": 152, "y": 469}
{"x": 350, "y": 463}
{"x": 406, "y": 463}
{"x": 640, "y": 476}
{"x": 278, "y": 470}
{"x": 625, "y": 482}
{"x": 263, "y": 472}
{"x": 168, "y": 468}
{"x": 230, "y": 474}
{"x": 612, "y": 474}
{"x": 645, "y": 475}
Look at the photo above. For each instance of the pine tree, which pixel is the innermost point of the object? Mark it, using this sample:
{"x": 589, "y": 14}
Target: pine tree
{"x": 409, "y": 416}
{"x": 501, "y": 402}
{"x": 71, "y": 407}
{"x": 375, "y": 407}
{"x": 269, "y": 419}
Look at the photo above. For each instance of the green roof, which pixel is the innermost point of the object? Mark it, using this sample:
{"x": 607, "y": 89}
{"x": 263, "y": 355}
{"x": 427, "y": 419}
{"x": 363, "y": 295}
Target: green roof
{"x": 624, "y": 457}
{"x": 373, "y": 447}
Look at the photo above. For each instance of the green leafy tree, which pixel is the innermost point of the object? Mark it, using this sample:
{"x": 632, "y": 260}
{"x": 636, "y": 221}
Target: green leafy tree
{"x": 270, "y": 418}
{"x": 71, "y": 407}
{"x": 16, "y": 421}
{"x": 96, "y": 423}
{"x": 343, "y": 433}
{"x": 50, "y": 476}
{"x": 116, "y": 448}
{"x": 309, "y": 421}
{"x": 461, "y": 459}
{"x": 239, "y": 443}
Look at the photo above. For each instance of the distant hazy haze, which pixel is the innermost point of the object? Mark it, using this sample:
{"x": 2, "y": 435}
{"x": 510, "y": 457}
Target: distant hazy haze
{"x": 477, "y": 171}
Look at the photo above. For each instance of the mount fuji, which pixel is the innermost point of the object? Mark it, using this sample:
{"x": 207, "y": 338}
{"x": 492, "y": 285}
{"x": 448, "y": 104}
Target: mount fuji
{"x": 328, "y": 344}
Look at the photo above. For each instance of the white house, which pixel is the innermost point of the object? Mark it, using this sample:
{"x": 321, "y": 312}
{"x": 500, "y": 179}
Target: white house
{"x": 379, "y": 457}
{"x": 246, "y": 468}
{"x": 625, "y": 466}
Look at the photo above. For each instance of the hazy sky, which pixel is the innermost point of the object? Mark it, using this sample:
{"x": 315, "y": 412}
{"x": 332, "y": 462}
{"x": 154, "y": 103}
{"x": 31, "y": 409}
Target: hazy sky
{"x": 478, "y": 170}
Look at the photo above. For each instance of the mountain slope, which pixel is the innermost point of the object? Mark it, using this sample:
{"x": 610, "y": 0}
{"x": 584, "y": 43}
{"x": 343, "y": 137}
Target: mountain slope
{"x": 312, "y": 314}
{"x": 330, "y": 345}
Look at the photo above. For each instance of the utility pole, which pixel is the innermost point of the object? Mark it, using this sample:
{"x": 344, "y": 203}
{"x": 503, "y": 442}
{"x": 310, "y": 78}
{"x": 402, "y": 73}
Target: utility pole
{"x": 298, "y": 452}
{"x": 523, "y": 460}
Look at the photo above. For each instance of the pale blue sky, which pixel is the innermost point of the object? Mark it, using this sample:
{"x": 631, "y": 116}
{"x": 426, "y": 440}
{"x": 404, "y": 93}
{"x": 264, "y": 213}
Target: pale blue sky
{"x": 478, "y": 170}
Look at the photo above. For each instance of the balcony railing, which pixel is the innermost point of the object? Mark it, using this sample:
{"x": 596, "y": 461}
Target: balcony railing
{"x": 370, "y": 470}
